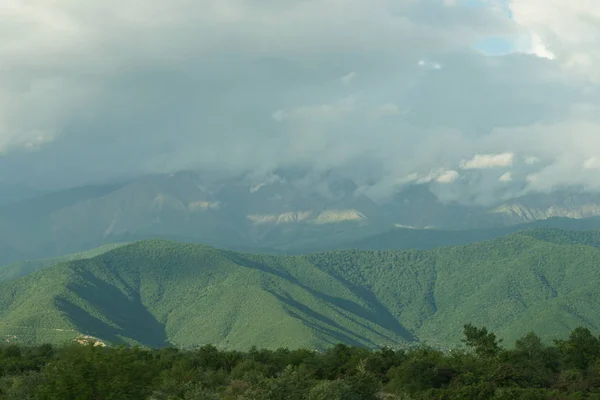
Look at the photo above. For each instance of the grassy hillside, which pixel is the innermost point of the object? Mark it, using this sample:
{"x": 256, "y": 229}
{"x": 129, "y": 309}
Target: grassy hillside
{"x": 158, "y": 293}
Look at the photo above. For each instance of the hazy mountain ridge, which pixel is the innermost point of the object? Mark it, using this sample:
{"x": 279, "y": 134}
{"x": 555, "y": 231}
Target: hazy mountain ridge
{"x": 285, "y": 212}
{"x": 543, "y": 206}
{"x": 230, "y": 214}
{"x": 21, "y": 268}
{"x": 158, "y": 293}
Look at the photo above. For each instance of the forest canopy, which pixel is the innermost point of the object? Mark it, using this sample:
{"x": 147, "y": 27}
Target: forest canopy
{"x": 483, "y": 368}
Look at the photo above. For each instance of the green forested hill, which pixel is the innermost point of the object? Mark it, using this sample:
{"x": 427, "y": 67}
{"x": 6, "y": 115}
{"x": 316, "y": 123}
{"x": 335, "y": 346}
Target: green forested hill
{"x": 22, "y": 268}
{"x": 158, "y": 293}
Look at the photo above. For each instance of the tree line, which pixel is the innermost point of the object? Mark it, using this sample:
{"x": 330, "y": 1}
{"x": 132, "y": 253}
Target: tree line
{"x": 483, "y": 369}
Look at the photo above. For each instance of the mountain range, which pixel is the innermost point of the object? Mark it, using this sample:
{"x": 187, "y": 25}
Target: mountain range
{"x": 158, "y": 293}
{"x": 282, "y": 214}
{"x": 187, "y": 259}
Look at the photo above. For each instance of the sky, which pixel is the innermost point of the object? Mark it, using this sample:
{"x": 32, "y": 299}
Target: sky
{"x": 477, "y": 98}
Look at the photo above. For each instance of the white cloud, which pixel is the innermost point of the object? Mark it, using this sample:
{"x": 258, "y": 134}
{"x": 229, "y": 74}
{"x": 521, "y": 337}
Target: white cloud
{"x": 506, "y": 177}
{"x": 448, "y": 176}
{"x": 567, "y": 30}
{"x": 537, "y": 47}
{"x": 440, "y": 175}
{"x": 482, "y": 161}
{"x": 592, "y": 163}
{"x": 566, "y": 148}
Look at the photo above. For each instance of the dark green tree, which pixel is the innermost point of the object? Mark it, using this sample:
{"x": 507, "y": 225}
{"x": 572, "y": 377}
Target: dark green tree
{"x": 580, "y": 349}
{"x": 483, "y": 342}
{"x": 332, "y": 390}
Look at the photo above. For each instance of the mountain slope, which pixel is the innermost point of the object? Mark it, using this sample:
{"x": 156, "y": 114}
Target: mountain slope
{"x": 540, "y": 206}
{"x": 286, "y": 211}
{"x": 416, "y": 206}
{"x": 408, "y": 238}
{"x": 22, "y": 268}
{"x": 158, "y": 293}
{"x": 233, "y": 214}
{"x": 190, "y": 294}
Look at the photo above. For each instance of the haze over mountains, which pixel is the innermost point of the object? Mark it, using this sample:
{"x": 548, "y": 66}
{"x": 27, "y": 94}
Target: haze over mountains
{"x": 414, "y": 268}
{"x": 298, "y": 173}
{"x": 280, "y": 214}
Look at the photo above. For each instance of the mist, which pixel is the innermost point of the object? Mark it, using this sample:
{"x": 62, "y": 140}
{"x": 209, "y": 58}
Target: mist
{"x": 384, "y": 92}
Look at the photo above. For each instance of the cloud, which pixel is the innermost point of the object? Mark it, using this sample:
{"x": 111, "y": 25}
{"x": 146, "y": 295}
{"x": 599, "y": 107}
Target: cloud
{"x": 348, "y": 78}
{"x": 429, "y": 64}
{"x": 566, "y": 152}
{"x": 568, "y": 31}
{"x": 317, "y": 112}
{"x": 592, "y": 163}
{"x": 447, "y": 177}
{"x": 441, "y": 175}
{"x": 481, "y": 161}
{"x": 530, "y": 160}
{"x": 377, "y": 89}
{"x": 506, "y": 177}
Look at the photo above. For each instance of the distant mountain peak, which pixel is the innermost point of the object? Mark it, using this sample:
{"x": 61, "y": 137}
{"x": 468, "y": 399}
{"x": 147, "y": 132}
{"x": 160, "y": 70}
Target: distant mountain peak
{"x": 272, "y": 180}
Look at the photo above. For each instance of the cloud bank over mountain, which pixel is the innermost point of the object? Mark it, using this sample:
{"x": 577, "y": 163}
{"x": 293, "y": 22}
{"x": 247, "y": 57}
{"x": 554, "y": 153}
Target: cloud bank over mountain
{"x": 387, "y": 91}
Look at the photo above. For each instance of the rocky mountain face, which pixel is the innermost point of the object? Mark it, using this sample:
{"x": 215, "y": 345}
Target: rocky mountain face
{"x": 537, "y": 207}
{"x": 417, "y": 207}
{"x": 234, "y": 213}
{"x": 280, "y": 213}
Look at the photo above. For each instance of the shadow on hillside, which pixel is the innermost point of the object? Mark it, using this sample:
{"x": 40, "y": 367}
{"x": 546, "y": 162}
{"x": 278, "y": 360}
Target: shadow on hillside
{"x": 129, "y": 317}
{"x": 329, "y": 327}
{"x": 378, "y": 314}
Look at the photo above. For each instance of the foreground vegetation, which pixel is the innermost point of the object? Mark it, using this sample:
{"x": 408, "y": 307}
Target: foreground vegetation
{"x": 531, "y": 369}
